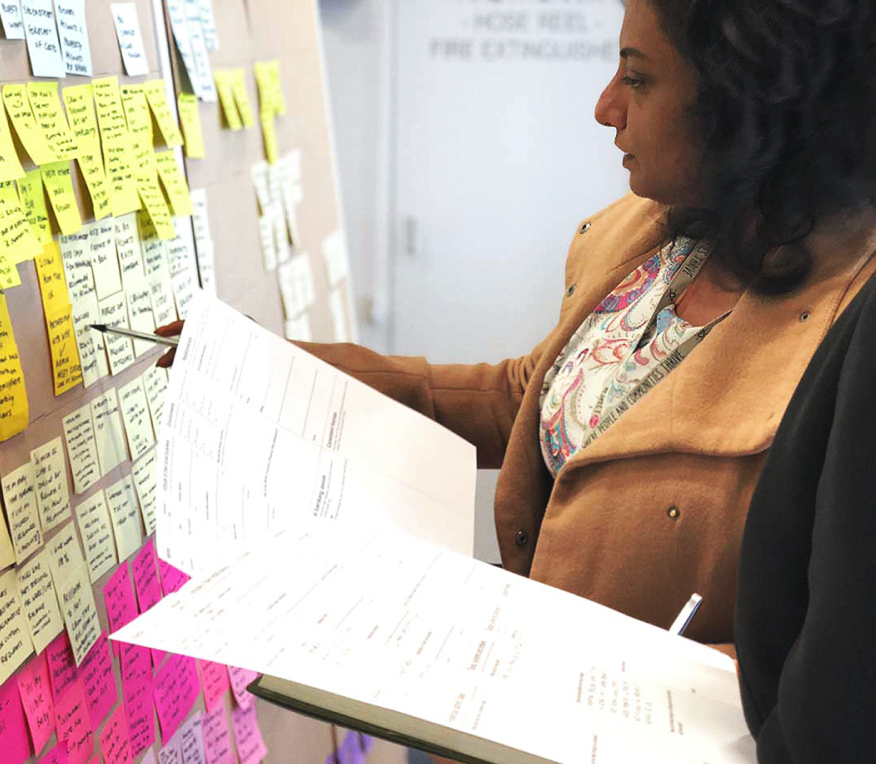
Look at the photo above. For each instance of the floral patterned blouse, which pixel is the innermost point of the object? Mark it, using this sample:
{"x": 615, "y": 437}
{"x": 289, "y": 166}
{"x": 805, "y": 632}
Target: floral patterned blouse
{"x": 615, "y": 349}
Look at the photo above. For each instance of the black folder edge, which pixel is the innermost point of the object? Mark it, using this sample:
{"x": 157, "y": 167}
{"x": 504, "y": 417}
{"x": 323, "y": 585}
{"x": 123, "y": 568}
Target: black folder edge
{"x": 333, "y": 717}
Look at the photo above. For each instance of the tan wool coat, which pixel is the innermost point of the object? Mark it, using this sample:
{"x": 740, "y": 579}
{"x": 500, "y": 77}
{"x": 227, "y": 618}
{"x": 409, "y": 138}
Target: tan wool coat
{"x": 654, "y": 509}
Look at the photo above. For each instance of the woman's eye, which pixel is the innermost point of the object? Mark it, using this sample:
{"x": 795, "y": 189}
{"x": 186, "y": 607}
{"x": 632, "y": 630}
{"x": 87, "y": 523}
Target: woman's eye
{"x": 632, "y": 82}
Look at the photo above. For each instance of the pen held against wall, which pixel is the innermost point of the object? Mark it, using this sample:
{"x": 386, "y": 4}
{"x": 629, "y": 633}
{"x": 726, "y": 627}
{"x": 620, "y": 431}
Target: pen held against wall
{"x": 125, "y": 332}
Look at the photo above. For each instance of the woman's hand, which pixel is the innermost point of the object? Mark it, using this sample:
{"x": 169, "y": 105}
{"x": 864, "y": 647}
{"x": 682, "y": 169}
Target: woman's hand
{"x": 168, "y": 330}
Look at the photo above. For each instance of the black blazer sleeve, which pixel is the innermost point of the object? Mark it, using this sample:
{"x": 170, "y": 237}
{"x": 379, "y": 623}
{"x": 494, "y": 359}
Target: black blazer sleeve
{"x": 806, "y": 611}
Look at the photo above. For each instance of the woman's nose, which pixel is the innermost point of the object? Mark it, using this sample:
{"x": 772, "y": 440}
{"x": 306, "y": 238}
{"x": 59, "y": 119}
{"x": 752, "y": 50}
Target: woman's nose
{"x": 611, "y": 108}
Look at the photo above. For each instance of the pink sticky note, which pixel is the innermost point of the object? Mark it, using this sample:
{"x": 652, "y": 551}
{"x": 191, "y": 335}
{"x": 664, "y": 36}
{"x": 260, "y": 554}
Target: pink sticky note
{"x": 36, "y": 697}
{"x": 240, "y": 678}
{"x": 13, "y": 728}
{"x": 136, "y": 662}
{"x": 114, "y": 740}
{"x": 121, "y": 607}
{"x": 171, "y": 753}
{"x": 58, "y": 755}
{"x": 146, "y": 577}
{"x": 99, "y": 682}
{"x": 251, "y": 747}
{"x": 62, "y": 666}
{"x": 139, "y": 713}
{"x": 217, "y": 741}
{"x": 172, "y": 579}
{"x": 176, "y": 690}
{"x": 214, "y": 679}
{"x": 74, "y": 726}
{"x": 191, "y": 740}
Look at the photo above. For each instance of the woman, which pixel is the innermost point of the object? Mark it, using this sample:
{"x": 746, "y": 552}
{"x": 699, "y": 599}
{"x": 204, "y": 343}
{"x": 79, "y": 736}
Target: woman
{"x": 631, "y": 439}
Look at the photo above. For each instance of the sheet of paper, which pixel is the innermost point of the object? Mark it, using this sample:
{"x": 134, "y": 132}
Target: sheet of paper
{"x": 10, "y": 165}
{"x": 50, "y": 479}
{"x": 214, "y": 680}
{"x": 176, "y": 690}
{"x": 217, "y": 742}
{"x": 15, "y": 644}
{"x": 33, "y": 204}
{"x": 36, "y": 697}
{"x": 251, "y": 748}
{"x": 98, "y": 681}
{"x": 191, "y": 740}
{"x": 156, "y": 94}
{"x": 65, "y": 555}
{"x": 73, "y": 31}
{"x": 66, "y": 366}
{"x": 92, "y": 354}
{"x": 13, "y": 403}
{"x": 13, "y": 24}
{"x": 41, "y": 33}
{"x": 19, "y": 497}
{"x": 26, "y": 127}
{"x": 146, "y": 582}
{"x": 141, "y": 317}
{"x": 144, "y": 474}
{"x": 108, "y": 431}
{"x": 119, "y": 349}
{"x": 37, "y": 589}
{"x": 16, "y": 239}
{"x": 62, "y": 667}
{"x": 115, "y": 743}
{"x": 130, "y": 39}
{"x": 74, "y": 726}
{"x": 190, "y": 119}
{"x": 174, "y": 183}
{"x": 59, "y": 186}
{"x": 80, "y": 613}
{"x": 13, "y": 728}
{"x": 81, "y": 449}
{"x": 135, "y": 415}
{"x": 140, "y": 713}
{"x": 50, "y": 118}
{"x": 121, "y": 497}
{"x": 97, "y": 535}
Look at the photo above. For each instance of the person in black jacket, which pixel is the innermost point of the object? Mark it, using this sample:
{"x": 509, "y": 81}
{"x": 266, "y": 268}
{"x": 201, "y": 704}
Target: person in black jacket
{"x": 806, "y": 611}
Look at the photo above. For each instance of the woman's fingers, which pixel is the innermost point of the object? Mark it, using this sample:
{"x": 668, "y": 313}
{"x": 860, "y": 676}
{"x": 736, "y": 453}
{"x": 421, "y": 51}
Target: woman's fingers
{"x": 166, "y": 361}
{"x": 171, "y": 329}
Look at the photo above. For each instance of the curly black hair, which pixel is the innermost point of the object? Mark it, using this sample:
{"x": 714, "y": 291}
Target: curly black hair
{"x": 786, "y": 107}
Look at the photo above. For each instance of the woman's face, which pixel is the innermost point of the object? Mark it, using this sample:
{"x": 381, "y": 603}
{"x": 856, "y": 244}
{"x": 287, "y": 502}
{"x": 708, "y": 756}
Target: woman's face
{"x": 645, "y": 103}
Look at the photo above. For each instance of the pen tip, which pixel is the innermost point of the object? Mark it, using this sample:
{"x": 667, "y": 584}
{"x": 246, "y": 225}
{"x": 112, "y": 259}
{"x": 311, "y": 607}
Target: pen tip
{"x": 99, "y": 327}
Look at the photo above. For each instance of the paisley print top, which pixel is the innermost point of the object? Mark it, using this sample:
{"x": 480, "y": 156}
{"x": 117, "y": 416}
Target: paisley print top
{"x": 615, "y": 348}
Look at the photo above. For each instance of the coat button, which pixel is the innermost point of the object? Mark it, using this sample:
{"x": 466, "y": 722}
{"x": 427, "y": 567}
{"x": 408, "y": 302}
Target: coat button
{"x": 584, "y": 228}
{"x": 673, "y": 513}
{"x": 571, "y": 290}
{"x": 521, "y": 538}
{"x": 805, "y": 316}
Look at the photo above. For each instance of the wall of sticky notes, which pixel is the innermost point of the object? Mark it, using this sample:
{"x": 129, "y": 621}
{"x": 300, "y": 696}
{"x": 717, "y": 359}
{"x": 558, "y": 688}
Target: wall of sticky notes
{"x": 133, "y": 172}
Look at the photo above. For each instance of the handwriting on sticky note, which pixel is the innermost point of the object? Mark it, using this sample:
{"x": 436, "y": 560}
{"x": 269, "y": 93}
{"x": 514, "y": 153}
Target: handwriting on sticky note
{"x": 98, "y": 681}
{"x": 97, "y": 535}
{"x": 74, "y": 726}
{"x": 80, "y": 613}
{"x": 15, "y": 644}
{"x": 214, "y": 680}
{"x": 176, "y": 690}
{"x": 190, "y": 118}
{"x": 36, "y": 697}
{"x": 118, "y": 593}
{"x": 73, "y": 29}
{"x": 251, "y": 748}
{"x": 240, "y": 679}
{"x": 144, "y": 476}
{"x": 136, "y": 662}
{"x": 41, "y": 34}
{"x": 13, "y": 24}
{"x": 62, "y": 666}
{"x": 64, "y": 349}
{"x": 171, "y": 753}
{"x": 139, "y": 712}
{"x": 50, "y": 118}
{"x": 21, "y": 510}
{"x": 16, "y": 237}
{"x": 172, "y": 580}
{"x": 108, "y": 431}
{"x": 81, "y": 449}
{"x": 217, "y": 741}
{"x": 21, "y": 115}
{"x": 146, "y": 581}
{"x": 65, "y": 554}
{"x": 104, "y": 260}
{"x": 39, "y": 600}
{"x": 92, "y": 355}
{"x": 113, "y": 311}
{"x": 58, "y": 181}
{"x": 13, "y": 729}
{"x": 114, "y": 739}
{"x": 157, "y": 97}
{"x": 50, "y": 476}
{"x": 118, "y": 159}
{"x": 50, "y": 275}
{"x": 135, "y": 415}
{"x": 174, "y": 183}
{"x": 58, "y": 755}
{"x": 33, "y": 204}
{"x": 191, "y": 740}
{"x": 130, "y": 39}
{"x": 121, "y": 498}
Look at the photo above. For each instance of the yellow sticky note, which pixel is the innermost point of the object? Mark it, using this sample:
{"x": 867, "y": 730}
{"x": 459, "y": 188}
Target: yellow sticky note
{"x": 156, "y": 206}
{"x": 10, "y": 166}
{"x": 66, "y": 368}
{"x": 17, "y": 242}
{"x": 190, "y": 118}
{"x": 137, "y": 113}
{"x": 269, "y": 134}
{"x": 118, "y": 157}
{"x": 98, "y": 187}
{"x": 33, "y": 203}
{"x": 13, "y": 395}
{"x": 174, "y": 183}
{"x": 270, "y": 88}
{"x": 18, "y": 107}
{"x": 51, "y": 120}
{"x": 80, "y": 113}
{"x": 226, "y": 98}
{"x": 59, "y": 185}
{"x": 241, "y": 97}
{"x": 110, "y": 112}
{"x": 53, "y": 283}
{"x": 167, "y": 126}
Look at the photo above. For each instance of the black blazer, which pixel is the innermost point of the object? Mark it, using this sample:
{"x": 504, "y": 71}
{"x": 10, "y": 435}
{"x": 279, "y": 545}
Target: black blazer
{"x": 805, "y": 626}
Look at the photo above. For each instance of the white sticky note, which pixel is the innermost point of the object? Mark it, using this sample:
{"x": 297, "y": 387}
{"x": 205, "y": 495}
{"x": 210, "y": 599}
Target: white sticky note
{"x": 135, "y": 415}
{"x": 65, "y": 554}
{"x": 104, "y": 260}
{"x": 76, "y": 256}
{"x": 119, "y": 350}
{"x": 206, "y": 88}
{"x": 141, "y": 317}
{"x": 81, "y": 449}
{"x": 200, "y": 216}
{"x": 155, "y": 384}
{"x": 37, "y": 590}
{"x": 267, "y": 239}
{"x": 338, "y": 309}
{"x": 298, "y": 328}
{"x": 163, "y": 304}
{"x": 208, "y": 24}
{"x": 144, "y": 473}
{"x": 50, "y": 481}
{"x": 15, "y": 644}
{"x": 13, "y": 25}
{"x": 180, "y": 249}
{"x": 19, "y": 495}
{"x": 334, "y": 251}
{"x": 108, "y": 432}
{"x": 281, "y": 237}
{"x": 259, "y": 174}
{"x": 121, "y": 497}
{"x": 41, "y": 33}
{"x": 92, "y": 515}
{"x": 129, "y": 252}
{"x": 206, "y": 265}
{"x": 92, "y": 353}
{"x": 73, "y": 31}
{"x": 80, "y": 613}
{"x": 130, "y": 39}
{"x": 183, "y": 291}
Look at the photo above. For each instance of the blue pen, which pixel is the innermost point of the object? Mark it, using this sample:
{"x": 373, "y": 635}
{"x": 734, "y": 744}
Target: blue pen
{"x": 686, "y": 615}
